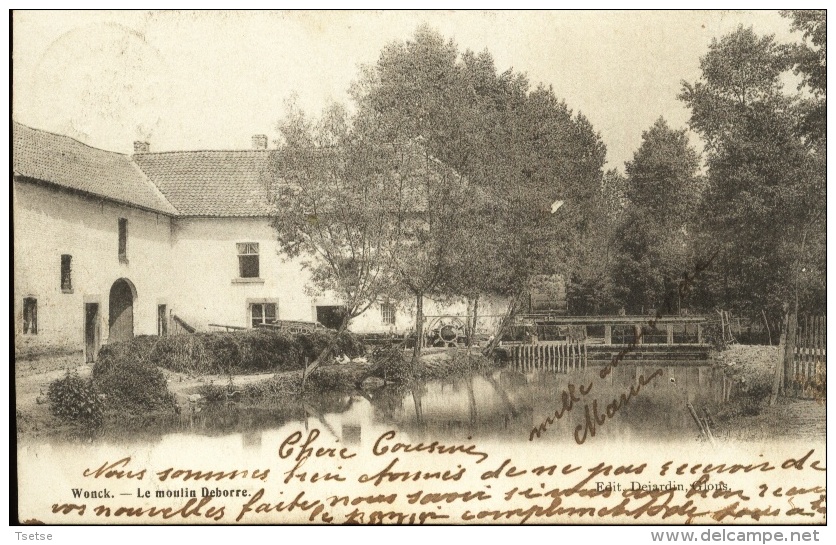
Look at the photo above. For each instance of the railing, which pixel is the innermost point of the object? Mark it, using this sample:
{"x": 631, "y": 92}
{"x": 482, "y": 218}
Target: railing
{"x": 293, "y": 326}
{"x": 615, "y": 330}
{"x": 180, "y": 326}
{"x": 287, "y": 326}
{"x": 559, "y": 357}
{"x": 228, "y": 328}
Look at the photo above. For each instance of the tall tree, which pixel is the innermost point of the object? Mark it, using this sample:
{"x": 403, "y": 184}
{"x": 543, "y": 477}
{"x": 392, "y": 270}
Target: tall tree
{"x": 328, "y": 213}
{"x": 662, "y": 191}
{"x": 592, "y": 287}
{"x": 810, "y": 62}
{"x": 763, "y": 210}
{"x": 517, "y": 150}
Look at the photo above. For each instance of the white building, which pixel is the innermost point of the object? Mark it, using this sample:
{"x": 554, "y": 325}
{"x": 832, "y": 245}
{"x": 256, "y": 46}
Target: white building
{"x": 108, "y": 246}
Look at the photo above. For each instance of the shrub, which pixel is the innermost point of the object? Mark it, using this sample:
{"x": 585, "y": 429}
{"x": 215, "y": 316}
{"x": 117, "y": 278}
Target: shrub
{"x": 393, "y": 365}
{"x": 213, "y": 393}
{"x": 181, "y": 353}
{"x": 270, "y": 351}
{"x": 136, "y": 349}
{"x": 131, "y": 383}
{"x": 75, "y": 399}
{"x": 225, "y": 351}
{"x": 251, "y": 351}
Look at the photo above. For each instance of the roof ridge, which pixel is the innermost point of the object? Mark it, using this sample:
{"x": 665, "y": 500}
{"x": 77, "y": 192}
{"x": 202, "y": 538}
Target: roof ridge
{"x": 76, "y": 140}
{"x": 153, "y": 186}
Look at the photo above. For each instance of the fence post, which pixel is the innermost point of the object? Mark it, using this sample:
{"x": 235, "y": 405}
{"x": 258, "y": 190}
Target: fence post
{"x": 792, "y": 342}
{"x": 780, "y": 364}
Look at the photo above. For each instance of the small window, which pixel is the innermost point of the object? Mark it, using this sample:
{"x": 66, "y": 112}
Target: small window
{"x": 248, "y": 259}
{"x": 262, "y": 313}
{"x": 123, "y": 240}
{"x": 67, "y": 273}
{"x": 162, "y": 321}
{"x": 387, "y": 313}
{"x": 30, "y": 316}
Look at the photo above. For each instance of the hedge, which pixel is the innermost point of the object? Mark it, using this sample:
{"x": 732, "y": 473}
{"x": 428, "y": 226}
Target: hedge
{"x": 250, "y": 351}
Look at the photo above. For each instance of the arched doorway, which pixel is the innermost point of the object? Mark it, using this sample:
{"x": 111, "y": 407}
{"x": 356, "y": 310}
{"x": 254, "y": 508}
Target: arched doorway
{"x": 122, "y": 295}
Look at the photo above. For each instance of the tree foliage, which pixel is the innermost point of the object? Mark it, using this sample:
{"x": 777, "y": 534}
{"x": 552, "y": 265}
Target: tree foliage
{"x": 763, "y": 209}
{"x": 662, "y": 192}
{"x": 515, "y": 150}
{"x": 330, "y": 211}
{"x": 442, "y": 181}
{"x": 451, "y": 179}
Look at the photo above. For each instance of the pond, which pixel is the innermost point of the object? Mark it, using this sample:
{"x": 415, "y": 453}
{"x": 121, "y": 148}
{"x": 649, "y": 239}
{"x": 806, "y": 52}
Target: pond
{"x": 503, "y": 404}
{"x": 493, "y": 433}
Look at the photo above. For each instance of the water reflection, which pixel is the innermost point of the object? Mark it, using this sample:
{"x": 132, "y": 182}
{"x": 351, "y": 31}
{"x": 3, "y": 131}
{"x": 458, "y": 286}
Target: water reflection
{"x": 508, "y": 403}
{"x": 500, "y": 404}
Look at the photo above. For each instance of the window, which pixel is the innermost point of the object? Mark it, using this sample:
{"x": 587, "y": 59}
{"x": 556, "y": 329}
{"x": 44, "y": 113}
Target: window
{"x": 248, "y": 259}
{"x": 162, "y": 321}
{"x": 387, "y": 313}
{"x": 262, "y": 313}
{"x": 123, "y": 240}
{"x": 66, "y": 273}
{"x": 30, "y": 316}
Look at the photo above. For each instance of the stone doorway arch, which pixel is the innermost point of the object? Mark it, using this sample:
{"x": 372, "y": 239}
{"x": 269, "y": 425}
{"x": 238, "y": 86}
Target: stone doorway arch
{"x": 121, "y": 306}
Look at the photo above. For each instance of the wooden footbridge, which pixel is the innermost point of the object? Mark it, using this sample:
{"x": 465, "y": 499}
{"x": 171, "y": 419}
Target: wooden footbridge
{"x": 563, "y": 343}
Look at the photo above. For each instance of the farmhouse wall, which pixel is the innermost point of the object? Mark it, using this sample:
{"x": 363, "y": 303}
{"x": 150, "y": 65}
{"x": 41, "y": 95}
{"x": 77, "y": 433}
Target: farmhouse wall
{"x": 51, "y": 222}
{"x": 207, "y": 285}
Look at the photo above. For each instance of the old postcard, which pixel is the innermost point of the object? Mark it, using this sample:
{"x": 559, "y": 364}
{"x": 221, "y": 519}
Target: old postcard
{"x": 420, "y": 267}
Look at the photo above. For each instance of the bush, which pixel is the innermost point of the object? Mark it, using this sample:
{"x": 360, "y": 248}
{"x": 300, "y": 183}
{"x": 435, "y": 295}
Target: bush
{"x": 137, "y": 349}
{"x": 395, "y": 367}
{"x": 251, "y": 351}
{"x": 75, "y": 399}
{"x": 270, "y": 351}
{"x": 130, "y": 382}
{"x": 181, "y": 353}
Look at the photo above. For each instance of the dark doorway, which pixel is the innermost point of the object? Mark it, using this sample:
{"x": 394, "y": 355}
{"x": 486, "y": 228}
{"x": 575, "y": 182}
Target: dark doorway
{"x": 121, "y": 322}
{"x": 92, "y": 332}
{"x": 330, "y": 316}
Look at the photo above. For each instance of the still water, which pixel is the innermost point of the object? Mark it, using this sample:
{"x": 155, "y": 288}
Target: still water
{"x": 502, "y": 405}
{"x": 492, "y": 412}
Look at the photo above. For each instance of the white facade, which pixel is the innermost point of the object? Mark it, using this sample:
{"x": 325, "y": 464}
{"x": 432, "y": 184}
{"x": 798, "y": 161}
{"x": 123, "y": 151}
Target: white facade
{"x": 209, "y": 289}
{"x": 49, "y": 223}
{"x": 209, "y": 286}
{"x": 101, "y": 254}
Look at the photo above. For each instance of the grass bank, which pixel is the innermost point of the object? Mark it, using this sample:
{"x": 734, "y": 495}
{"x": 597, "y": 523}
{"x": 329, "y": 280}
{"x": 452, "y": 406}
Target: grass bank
{"x": 150, "y": 384}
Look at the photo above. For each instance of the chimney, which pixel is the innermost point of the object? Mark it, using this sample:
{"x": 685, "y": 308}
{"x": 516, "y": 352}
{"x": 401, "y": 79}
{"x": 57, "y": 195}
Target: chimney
{"x": 141, "y": 147}
{"x": 259, "y": 141}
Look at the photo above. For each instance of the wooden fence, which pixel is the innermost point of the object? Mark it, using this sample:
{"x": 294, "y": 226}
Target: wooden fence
{"x": 559, "y": 357}
{"x": 805, "y": 357}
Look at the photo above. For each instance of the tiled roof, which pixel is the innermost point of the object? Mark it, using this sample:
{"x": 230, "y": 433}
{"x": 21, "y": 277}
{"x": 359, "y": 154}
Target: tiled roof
{"x": 68, "y": 163}
{"x": 212, "y": 183}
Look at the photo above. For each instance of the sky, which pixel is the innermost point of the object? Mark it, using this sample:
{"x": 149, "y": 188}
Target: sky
{"x": 210, "y": 80}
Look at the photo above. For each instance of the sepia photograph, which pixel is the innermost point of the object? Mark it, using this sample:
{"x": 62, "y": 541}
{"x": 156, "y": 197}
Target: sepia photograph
{"x": 420, "y": 268}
